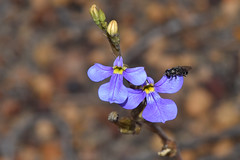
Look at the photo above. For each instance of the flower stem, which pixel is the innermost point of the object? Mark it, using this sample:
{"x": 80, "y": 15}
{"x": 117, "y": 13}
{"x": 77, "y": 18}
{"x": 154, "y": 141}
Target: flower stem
{"x": 133, "y": 124}
{"x": 169, "y": 146}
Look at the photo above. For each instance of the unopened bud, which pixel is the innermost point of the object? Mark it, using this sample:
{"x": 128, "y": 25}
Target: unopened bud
{"x": 94, "y": 12}
{"x": 102, "y": 16}
{"x": 112, "y": 28}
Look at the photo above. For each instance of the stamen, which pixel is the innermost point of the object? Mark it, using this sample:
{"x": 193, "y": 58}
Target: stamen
{"x": 148, "y": 88}
{"x": 118, "y": 70}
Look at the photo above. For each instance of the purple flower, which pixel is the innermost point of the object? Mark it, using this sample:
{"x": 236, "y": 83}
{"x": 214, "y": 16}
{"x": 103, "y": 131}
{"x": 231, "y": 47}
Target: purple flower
{"x": 114, "y": 91}
{"x": 157, "y": 108}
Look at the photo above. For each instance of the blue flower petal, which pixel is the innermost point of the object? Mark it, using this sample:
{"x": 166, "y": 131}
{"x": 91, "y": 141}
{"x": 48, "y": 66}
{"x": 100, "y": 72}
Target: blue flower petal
{"x": 118, "y": 62}
{"x": 169, "y": 85}
{"x": 103, "y": 91}
{"x": 150, "y": 80}
{"x": 159, "y": 109}
{"x": 99, "y": 72}
{"x": 136, "y": 76}
{"x": 114, "y": 91}
{"x": 135, "y": 97}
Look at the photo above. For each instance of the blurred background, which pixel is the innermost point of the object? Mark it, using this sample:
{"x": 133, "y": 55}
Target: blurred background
{"x": 50, "y": 110}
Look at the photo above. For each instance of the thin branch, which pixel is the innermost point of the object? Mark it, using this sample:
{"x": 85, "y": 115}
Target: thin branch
{"x": 158, "y": 130}
{"x": 133, "y": 124}
{"x": 170, "y": 147}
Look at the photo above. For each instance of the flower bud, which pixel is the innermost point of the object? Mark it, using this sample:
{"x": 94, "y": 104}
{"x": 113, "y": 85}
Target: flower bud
{"x": 94, "y": 12}
{"x": 112, "y": 28}
{"x": 102, "y": 16}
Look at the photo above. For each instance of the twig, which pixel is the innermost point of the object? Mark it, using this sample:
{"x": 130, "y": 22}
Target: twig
{"x": 170, "y": 146}
{"x": 158, "y": 130}
{"x": 132, "y": 125}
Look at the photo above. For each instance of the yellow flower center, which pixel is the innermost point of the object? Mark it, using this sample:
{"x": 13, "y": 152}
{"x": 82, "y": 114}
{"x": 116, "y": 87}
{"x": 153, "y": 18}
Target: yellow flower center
{"x": 118, "y": 70}
{"x": 148, "y": 88}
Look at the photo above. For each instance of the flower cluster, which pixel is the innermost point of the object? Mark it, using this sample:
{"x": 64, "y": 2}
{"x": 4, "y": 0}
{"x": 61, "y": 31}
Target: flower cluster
{"x": 157, "y": 109}
{"x": 114, "y": 91}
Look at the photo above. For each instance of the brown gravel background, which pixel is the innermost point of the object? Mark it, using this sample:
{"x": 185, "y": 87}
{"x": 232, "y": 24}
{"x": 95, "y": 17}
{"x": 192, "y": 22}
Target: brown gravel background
{"x": 50, "y": 110}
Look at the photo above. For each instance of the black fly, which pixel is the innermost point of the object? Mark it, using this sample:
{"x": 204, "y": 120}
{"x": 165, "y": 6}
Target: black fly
{"x": 177, "y": 71}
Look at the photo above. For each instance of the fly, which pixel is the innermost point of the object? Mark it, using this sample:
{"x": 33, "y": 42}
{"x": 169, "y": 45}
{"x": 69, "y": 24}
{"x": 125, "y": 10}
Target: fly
{"x": 177, "y": 71}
